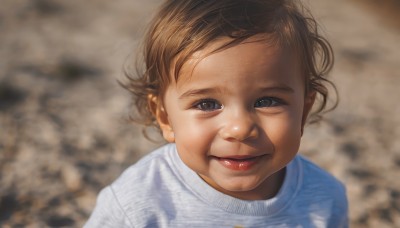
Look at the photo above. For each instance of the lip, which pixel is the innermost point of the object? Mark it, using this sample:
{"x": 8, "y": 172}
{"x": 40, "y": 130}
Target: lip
{"x": 239, "y": 163}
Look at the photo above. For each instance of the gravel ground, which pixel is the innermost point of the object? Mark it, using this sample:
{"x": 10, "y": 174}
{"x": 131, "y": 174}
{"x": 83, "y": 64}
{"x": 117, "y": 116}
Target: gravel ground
{"x": 63, "y": 128}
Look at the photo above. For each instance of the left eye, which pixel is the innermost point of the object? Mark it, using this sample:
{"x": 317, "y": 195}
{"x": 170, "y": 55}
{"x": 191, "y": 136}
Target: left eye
{"x": 266, "y": 102}
{"x": 208, "y": 105}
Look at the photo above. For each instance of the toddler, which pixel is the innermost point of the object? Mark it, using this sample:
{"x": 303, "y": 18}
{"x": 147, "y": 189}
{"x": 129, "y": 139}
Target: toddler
{"x": 230, "y": 84}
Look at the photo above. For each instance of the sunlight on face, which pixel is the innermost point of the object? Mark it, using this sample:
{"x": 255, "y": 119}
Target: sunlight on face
{"x": 236, "y": 117}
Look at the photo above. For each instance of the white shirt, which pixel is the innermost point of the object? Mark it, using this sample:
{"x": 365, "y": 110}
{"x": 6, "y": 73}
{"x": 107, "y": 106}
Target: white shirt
{"x": 161, "y": 191}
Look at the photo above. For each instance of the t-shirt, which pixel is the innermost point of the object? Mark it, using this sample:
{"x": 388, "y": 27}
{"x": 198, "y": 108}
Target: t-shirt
{"x": 161, "y": 191}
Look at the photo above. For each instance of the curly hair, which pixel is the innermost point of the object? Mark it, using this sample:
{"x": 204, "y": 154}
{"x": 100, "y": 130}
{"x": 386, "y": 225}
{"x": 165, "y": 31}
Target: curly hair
{"x": 182, "y": 27}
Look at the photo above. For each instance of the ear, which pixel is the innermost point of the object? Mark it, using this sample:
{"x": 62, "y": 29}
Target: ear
{"x": 161, "y": 116}
{"x": 308, "y": 104}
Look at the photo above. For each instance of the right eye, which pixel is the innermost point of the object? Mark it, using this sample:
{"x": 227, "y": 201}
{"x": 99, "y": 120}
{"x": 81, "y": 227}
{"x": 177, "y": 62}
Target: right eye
{"x": 207, "y": 105}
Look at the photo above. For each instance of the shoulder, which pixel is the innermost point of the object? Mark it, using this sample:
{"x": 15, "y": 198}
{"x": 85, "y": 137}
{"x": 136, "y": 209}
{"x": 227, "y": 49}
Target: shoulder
{"x": 127, "y": 200}
{"x": 323, "y": 194}
{"x": 145, "y": 176}
{"x": 108, "y": 212}
{"x": 318, "y": 178}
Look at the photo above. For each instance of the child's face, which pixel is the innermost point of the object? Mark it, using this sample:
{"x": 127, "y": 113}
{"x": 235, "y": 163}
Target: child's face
{"x": 236, "y": 117}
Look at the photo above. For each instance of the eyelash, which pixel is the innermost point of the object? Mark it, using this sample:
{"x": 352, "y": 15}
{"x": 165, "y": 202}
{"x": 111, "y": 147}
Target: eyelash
{"x": 201, "y": 105}
{"x": 272, "y": 100}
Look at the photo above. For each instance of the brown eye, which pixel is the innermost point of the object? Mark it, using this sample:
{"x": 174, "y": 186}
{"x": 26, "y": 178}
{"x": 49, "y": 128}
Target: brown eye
{"x": 208, "y": 105}
{"x": 266, "y": 102}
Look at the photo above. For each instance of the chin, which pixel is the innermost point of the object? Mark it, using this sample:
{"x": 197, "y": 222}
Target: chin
{"x": 240, "y": 187}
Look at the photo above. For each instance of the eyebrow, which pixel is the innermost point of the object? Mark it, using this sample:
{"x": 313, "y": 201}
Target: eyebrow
{"x": 280, "y": 88}
{"x": 199, "y": 92}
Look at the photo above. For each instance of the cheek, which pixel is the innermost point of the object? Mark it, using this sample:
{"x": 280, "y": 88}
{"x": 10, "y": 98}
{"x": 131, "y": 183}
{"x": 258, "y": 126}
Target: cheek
{"x": 190, "y": 131}
{"x": 284, "y": 132}
{"x": 193, "y": 142}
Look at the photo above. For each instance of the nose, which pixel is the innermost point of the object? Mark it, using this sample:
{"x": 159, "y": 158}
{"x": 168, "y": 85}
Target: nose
{"x": 239, "y": 127}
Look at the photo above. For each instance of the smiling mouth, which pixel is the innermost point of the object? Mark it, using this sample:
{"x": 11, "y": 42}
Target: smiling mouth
{"x": 239, "y": 163}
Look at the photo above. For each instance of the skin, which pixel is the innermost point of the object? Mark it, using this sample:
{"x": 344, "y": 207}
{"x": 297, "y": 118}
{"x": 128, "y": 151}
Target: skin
{"x": 237, "y": 116}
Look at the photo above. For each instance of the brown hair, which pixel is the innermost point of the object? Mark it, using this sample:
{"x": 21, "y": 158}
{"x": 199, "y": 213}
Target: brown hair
{"x": 182, "y": 27}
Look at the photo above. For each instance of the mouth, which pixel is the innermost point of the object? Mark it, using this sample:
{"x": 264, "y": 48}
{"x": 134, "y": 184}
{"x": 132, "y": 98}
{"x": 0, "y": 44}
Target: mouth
{"x": 239, "y": 163}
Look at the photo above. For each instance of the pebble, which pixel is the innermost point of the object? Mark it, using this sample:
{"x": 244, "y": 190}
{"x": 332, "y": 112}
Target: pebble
{"x": 71, "y": 177}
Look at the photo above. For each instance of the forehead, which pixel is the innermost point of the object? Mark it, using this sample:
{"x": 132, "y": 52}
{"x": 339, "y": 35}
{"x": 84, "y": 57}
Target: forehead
{"x": 253, "y": 57}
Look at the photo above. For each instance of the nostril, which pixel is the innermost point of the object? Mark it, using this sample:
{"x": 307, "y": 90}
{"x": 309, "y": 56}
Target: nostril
{"x": 254, "y": 132}
{"x": 239, "y": 133}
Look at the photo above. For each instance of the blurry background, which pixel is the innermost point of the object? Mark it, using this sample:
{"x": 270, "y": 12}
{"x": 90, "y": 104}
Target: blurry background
{"x": 63, "y": 128}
